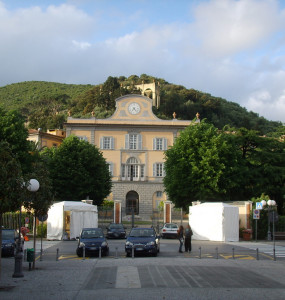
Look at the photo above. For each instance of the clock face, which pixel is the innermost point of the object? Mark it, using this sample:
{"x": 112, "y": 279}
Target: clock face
{"x": 134, "y": 108}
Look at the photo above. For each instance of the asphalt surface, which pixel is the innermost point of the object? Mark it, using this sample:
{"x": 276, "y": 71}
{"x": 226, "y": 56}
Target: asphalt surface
{"x": 174, "y": 276}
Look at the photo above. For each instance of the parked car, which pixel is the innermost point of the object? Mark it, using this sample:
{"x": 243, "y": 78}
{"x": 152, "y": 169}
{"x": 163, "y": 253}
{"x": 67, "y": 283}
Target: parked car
{"x": 9, "y": 239}
{"x": 169, "y": 230}
{"x": 143, "y": 240}
{"x": 116, "y": 231}
{"x": 92, "y": 239}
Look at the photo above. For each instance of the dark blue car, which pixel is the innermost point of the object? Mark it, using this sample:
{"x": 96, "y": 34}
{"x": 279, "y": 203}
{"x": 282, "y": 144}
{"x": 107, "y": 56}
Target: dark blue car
{"x": 92, "y": 239}
{"x": 142, "y": 241}
{"x": 116, "y": 231}
{"x": 9, "y": 237}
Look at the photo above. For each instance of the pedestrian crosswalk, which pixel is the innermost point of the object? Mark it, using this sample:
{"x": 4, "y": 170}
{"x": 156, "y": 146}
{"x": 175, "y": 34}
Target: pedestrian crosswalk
{"x": 267, "y": 249}
{"x": 174, "y": 276}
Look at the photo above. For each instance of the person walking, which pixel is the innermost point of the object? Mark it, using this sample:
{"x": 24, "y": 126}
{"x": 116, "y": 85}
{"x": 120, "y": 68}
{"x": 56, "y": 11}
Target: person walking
{"x": 180, "y": 233}
{"x": 188, "y": 235}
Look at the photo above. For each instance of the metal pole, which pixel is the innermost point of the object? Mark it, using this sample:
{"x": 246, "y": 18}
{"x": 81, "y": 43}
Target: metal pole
{"x": 41, "y": 257}
{"x": 133, "y": 251}
{"x": 133, "y": 218}
{"x": 268, "y": 231}
{"x": 257, "y": 254}
{"x": 83, "y": 255}
{"x": 116, "y": 255}
{"x": 18, "y": 268}
{"x": 233, "y": 253}
{"x": 35, "y": 234}
{"x": 273, "y": 229}
{"x": 255, "y": 230}
{"x": 217, "y": 256}
{"x": 100, "y": 253}
{"x": 200, "y": 252}
{"x": 57, "y": 250}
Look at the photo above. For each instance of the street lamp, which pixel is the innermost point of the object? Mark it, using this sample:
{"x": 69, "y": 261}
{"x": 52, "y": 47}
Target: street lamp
{"x": 271, "y": 204}
{"x": 33, "y": 186}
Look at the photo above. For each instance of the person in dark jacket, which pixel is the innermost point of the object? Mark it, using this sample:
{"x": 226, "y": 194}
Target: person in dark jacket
{"x": 180, "y": 233}
{"x": 188, "y": 235}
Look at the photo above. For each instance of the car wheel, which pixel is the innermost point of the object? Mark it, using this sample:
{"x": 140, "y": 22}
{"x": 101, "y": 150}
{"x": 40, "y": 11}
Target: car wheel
{"x": 79, "y": 253}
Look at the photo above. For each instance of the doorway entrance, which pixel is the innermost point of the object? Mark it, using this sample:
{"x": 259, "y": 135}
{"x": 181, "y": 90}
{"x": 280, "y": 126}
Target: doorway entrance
{"x": 132, "y": 203}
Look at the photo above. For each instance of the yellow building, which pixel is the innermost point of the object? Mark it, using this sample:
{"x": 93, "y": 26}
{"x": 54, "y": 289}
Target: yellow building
{"x": 51, "y": 138}
{"x": 133, "y": 141}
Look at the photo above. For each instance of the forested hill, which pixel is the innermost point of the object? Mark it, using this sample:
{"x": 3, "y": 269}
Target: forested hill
{"x": 46, "y": 104}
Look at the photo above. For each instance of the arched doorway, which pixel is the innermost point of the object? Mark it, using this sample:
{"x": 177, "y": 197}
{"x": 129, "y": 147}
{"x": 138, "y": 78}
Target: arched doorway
{"x": 132, "y": 203}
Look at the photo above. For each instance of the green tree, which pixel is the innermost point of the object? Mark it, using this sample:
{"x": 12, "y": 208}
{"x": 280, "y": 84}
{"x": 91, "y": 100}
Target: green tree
{"x": 200, "y": 165}
{"x": 78, "y": 169}
{"x": 40, "y": 201}
{"x": 11, "y": 181}
{"x": 11, "y": 184}
{"x": 13, "y": 131}
{"x": 263, "y": 159}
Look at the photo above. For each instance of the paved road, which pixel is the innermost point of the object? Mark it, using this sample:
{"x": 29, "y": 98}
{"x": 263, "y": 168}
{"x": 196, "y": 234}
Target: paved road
{"x": 173, "y": 276}
{"x": 146, "y": 278}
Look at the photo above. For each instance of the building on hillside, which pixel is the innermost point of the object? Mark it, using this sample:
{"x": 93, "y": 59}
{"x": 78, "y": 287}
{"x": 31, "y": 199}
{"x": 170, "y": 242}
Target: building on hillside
{"x": 151, "y": 90}
{"x": 133, "y": 141}
{"x": 51, "y": 138}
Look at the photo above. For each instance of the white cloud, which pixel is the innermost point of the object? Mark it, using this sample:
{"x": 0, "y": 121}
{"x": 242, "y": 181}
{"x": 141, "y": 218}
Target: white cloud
{"x": 262, "y": 102}
{"x": 225, "y": 27}
{"x": 81, "y": 45}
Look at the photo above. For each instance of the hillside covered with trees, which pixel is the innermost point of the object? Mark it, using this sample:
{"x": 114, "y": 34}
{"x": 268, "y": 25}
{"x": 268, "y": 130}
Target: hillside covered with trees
{"x": 46, "y": 104}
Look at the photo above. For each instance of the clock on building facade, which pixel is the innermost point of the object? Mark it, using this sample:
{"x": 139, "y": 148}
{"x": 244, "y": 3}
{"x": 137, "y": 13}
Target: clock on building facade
{"x": 134, "y": 108}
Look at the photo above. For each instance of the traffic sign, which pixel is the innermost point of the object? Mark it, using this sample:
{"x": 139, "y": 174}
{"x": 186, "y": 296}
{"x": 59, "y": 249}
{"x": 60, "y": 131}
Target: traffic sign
{"x": 42, "y": 218}
{"x": 258, "y": 205}
{"x": 256, "y": 214}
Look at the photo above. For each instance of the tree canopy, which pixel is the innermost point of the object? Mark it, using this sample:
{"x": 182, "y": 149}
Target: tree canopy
{"x": 14, "y": 132}
{"x": 207, "y": 164}
{"x": 78, "y": 169}
{"x": 200, "y": 165}
{"x": 11, "y": 181}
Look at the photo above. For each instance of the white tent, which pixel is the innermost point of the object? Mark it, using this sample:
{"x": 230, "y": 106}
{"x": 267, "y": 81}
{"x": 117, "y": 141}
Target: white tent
{"x": 82, "y": 215}
{"x": 214, "y": 222}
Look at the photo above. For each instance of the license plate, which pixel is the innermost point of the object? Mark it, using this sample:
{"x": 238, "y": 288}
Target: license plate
{"x": 93, "y": 248}
{"x": 139, "y": 249}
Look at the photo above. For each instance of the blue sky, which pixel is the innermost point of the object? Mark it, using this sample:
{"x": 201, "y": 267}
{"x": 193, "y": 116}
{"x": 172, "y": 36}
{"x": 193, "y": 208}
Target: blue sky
{"x": 232, "y": 49}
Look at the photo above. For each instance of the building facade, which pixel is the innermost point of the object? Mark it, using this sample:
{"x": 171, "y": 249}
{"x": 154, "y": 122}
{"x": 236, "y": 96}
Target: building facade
{"x": 133, "y": 141}
{"x": 51, "y": 138}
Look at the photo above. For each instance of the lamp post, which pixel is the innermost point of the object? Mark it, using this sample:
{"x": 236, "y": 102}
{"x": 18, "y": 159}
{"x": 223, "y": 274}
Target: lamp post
{"x": 33, "y": 186}
{"x": 271, "y": 204}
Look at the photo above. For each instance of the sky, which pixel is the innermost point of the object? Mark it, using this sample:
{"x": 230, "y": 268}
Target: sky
{"x": 233, "y": 49}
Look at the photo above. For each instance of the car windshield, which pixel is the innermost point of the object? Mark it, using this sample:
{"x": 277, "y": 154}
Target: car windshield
{"x": 142, "y": 233}
{"x": 116, "y": 226}
{"x": 92, "y": 233}
{"x": 171, "y": 226}
{"x": 8, "y": 234}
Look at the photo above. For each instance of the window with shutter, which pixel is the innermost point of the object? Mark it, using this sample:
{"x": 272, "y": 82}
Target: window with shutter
{"x": 133, "y": 141}
{"x": 107, "y": 142}
{"x": 160, "y": 144}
